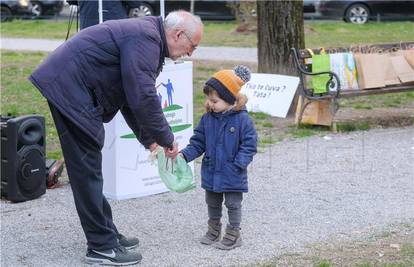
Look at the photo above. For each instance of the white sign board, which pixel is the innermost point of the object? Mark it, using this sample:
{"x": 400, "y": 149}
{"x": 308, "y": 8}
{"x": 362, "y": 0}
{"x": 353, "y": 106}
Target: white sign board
{"x": 270, "y": 93}
{"x": 127, "y": 170}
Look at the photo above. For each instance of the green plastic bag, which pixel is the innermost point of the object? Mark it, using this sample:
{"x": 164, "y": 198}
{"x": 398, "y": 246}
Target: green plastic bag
{"x": 320, "y": 63}
{"x": 175, "y": 174}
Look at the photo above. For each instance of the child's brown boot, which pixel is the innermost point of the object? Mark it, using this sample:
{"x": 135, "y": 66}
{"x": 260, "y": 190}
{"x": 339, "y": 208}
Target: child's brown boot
{"x": 213, "y": 233}
{"x": 231, "y": 239}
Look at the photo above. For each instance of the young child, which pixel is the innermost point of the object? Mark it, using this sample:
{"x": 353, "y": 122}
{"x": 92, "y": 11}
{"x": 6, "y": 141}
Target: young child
{"x": 228, "y": 139}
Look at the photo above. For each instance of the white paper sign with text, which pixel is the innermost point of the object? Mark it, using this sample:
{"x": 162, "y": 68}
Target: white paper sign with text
{"x": 270, "y": 93}
{"x": 127, "y": 170}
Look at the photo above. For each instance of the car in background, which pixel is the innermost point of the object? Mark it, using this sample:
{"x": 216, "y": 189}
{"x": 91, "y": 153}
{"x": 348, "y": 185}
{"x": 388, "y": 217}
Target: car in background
{"x": 46, "y": 8}
{"x": 206, "y": 9}
{"x": 309, "y": 6}
{"x": 13, "y": 8}
{"x": 30, "y": 8}
{"x": 360, "y": 12}
{"x": 309, "y": 9}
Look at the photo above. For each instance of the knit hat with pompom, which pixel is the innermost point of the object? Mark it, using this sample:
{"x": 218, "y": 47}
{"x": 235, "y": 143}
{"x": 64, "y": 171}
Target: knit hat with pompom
{"x": 228, "y": 83}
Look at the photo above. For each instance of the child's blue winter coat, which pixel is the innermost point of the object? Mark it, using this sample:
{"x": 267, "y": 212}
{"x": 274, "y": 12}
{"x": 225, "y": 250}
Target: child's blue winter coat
{"x": 229, "y": 143}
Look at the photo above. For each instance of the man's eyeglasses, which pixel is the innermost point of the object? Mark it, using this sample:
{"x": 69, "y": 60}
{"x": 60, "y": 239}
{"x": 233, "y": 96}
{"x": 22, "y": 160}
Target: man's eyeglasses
{"x": 193, "y": 46}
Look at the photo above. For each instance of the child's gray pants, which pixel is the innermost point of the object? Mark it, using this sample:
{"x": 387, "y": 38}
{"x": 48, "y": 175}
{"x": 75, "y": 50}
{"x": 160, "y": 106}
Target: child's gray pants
{"x": 232, "y": 202}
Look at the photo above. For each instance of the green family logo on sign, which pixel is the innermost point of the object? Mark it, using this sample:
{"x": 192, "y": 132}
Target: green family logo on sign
{"x": 174, "y": 129}
{"x": 170, "y": 110}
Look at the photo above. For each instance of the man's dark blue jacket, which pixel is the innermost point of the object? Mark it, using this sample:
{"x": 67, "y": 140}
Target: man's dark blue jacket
{"x": 105, "y": 68}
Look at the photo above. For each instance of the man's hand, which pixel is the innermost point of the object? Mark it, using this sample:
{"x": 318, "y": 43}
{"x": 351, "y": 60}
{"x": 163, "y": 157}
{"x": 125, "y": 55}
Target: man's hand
{"x": 153, "y": 146}
{"x": 171, "y": 152}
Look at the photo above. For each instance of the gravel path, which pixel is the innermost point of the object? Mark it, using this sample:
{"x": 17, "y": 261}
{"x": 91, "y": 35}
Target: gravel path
{"x": 301, "y": 191}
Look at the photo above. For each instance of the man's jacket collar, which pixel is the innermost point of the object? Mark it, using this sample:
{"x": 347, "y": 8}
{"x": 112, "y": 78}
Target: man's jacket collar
{"x": 164, "y": 48}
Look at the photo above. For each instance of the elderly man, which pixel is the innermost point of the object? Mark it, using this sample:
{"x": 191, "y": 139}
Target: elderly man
{"x": 105, "y": 68}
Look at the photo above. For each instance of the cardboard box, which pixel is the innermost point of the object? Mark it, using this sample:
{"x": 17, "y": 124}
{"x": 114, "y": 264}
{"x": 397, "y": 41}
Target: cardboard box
{"x": 375, "y": 71}
{"x": 316, "y": 112}
{"x": 402, "y": 69}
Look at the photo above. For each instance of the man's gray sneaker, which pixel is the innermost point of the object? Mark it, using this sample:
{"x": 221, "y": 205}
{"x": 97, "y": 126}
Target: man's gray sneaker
{"x": 128, "y": 243}
{"x": 116, "y": 257}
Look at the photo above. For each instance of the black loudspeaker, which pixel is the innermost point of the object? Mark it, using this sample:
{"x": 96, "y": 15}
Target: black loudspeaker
{"x": 23, "y": 148}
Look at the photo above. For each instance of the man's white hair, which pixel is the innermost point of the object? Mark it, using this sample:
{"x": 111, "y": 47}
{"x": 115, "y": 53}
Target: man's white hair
{"x": 182, "y": 20}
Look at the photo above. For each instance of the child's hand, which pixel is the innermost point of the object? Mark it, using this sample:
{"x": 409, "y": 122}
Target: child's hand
{"x": 182, "y": 156}
{"x": 153, "y": 147}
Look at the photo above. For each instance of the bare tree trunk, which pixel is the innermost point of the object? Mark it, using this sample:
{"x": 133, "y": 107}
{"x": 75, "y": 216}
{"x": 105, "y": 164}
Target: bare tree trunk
{"x": 279, "y": 28}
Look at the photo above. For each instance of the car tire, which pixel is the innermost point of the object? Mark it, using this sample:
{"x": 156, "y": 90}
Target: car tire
{"x": 6, "y": 14}
{"x": 37, "y": 10}
{"x": 357, "y": 14}
{"x": 142, "y": 11}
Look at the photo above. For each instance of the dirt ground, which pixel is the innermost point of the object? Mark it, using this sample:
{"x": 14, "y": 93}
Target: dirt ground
{"x": 374, "y": 118}
{"x": 394, "y": 247}
{"x": 377, "y": 117}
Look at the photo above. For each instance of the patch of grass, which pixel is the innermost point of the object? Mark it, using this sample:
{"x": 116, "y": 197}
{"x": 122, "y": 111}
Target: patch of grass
{"x": 56, "y": 154}
{"x": 215, "y": 33}
{"x": 224, "y": 34}
{"x": 385, "y": 234}
{"x": 393, "y": 101}
{"x": 367, "y": 252}
{"x": 318, "y": 33}
{"x": 301, "y": 133}
{"x": 259, "y": 115}
{"x": 380, "y": 101}
{"x": 199, "y": 98}
{"x": 323, "y": 263}
{"x": 338, "y": 33}
{"x": 352, "y": 126}
{"x": 45, "y": 29}
{"x": 362, "y": 106}
{"x": 264, "y": 140}
{"x": 207, "y": 69}
{"x": 408, "y": 251}
{"x": 20, "y": 97}
{"x": 267, "y": 124}
{"x": 305, "y": 130}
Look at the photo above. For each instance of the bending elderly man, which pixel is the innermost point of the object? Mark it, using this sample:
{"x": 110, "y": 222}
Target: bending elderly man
{"x": 86, "y": 81}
